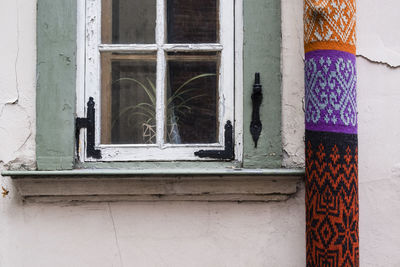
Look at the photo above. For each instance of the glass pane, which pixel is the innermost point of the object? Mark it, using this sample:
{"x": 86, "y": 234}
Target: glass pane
{"x": 128, "y": 21}
{"x": 128, "y": 99}
{"x": 192, "y": 21}
{"x": 192, "y": 98}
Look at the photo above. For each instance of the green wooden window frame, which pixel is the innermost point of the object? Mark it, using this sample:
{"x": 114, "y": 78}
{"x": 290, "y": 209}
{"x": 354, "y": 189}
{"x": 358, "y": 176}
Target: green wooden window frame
{"x": 56, "y": 88}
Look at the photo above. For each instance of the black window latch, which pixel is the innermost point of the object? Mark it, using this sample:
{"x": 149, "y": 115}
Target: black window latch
{"x": 256, "y": 97}
{"x": 89, "y": 124}
{"x": 228, "y": 153}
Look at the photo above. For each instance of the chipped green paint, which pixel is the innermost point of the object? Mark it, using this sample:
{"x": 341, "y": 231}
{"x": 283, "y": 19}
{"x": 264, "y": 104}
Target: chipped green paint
{"x": 56, "y": 74}
{"x": 261, "y": 53}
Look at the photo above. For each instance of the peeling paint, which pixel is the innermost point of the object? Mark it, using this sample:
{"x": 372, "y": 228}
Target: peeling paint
{"x": 20, "y": 163}
{"x": 16, "y": 55}
{"x": 292, "y": 84}
{"x": 173, "y": 233}
{"x": 17, "y": 133}
{"x": 381, "y": 62}
{"x": 67, "y": 59}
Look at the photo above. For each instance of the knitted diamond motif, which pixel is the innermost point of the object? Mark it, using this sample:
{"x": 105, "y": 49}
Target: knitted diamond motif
{"x": 329, "y": 20}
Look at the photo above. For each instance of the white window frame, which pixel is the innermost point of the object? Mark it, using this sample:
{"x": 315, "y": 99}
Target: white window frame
{"x": 230, "y": 94}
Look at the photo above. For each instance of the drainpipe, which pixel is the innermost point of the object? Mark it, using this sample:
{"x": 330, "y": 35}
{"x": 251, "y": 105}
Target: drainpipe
{"x": 331, "y": 133}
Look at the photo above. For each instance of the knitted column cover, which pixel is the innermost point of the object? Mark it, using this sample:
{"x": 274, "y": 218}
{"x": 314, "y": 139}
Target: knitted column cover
{"x": 331, "y": 133}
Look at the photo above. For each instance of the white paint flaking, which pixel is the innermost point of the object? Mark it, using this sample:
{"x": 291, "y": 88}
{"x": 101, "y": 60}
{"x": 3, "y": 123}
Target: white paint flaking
{"x": 292, "y": 84}
{"x": 379, "y": 61}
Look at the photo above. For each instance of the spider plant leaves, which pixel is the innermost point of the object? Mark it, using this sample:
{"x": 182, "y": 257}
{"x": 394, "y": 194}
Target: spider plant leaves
{"x": 177, "y": 103}
{"x": 144, "y": 109}
{"x": 153, "y": 87}
{"x": 192, "y": 79}
{"x": 151, "y": 93}
{"x": 192, "y": 98}
{"x": 179, "y": 95}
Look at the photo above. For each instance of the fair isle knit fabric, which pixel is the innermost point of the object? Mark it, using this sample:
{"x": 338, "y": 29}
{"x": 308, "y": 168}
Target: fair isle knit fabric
{"x": 331, "y": 91}
{"x": 331, "y": 133}
{"x": 330, "y": 24}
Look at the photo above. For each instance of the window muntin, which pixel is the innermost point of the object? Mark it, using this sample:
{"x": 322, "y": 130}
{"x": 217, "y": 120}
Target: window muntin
{"x": 161, "y": 63}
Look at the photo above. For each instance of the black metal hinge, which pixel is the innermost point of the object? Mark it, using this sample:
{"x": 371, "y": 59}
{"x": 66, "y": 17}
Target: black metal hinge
{"x": 256, "y": 97}
{"x": 228, "y": 153}
{"x": 89, "y": 124}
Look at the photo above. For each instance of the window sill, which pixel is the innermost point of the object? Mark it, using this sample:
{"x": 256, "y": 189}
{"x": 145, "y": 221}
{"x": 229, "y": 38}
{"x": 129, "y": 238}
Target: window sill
{"x": 157, "y": 185}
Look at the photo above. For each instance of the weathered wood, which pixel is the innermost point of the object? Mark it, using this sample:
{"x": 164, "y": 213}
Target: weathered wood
{"x": 209, "y": 188}
{"x": 106, "y": 98}
{"x": 55, "y": 94}
{"x": 106, "y": 21}
{"x": 208, "y": 198}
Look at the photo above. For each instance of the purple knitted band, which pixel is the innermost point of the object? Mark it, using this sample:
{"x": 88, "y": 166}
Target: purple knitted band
{"x": 330, "y": 83}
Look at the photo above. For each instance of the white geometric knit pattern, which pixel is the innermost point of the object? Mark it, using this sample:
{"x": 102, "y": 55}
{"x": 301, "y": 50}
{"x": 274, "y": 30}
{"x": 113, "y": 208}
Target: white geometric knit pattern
{"x": 330, "y": 20}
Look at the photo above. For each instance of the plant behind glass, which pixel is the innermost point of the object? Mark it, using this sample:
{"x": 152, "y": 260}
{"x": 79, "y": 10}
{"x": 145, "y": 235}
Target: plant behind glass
{"x": 177, "y": 103}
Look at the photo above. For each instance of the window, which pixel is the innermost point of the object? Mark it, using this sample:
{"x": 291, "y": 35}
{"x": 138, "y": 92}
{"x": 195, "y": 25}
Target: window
{"x": 161, "y": 73}
{"x": 255, "y": 173}
{"x": 61, "y": 95}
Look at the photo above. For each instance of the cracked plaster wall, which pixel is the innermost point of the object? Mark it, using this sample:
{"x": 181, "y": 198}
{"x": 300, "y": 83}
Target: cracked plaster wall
{"x": 205, "y": 234}
{"x": 17, "y": 81}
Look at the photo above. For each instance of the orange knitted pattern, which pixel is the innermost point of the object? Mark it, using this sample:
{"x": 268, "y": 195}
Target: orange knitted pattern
{"x": 330, "y": 25}
{"x": 332, "y": 200}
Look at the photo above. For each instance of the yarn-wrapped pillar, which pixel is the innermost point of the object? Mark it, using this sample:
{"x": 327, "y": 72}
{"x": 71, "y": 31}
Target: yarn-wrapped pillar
{"x": 331, "y": 133}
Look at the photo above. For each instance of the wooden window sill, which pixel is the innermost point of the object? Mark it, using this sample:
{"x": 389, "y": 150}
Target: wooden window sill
{"x": 260, "y": 185}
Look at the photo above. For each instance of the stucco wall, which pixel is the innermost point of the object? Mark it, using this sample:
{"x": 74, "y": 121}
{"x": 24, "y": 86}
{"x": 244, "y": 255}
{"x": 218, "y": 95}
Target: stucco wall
{"x": 205, "y": 234}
